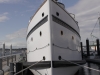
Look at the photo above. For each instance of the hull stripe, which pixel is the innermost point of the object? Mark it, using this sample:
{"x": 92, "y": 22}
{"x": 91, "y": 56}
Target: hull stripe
{"x": 44, "y": 20}
{"x": 56, "y": 64}
{"x": 62, "y": 23}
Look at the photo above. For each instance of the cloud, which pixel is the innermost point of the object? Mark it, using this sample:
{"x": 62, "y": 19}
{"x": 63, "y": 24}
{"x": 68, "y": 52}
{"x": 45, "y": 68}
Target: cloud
{"x": 9, "y": 1}
{"x": 86, "y": 12}
{"x": 15, "y": 44}
{"x": 3, "y": 17}
{"x": 17, "y": 39}
{"x": 18, "y": 34}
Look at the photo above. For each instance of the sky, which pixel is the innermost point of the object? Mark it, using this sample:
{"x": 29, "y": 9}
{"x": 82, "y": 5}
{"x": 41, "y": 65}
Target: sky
{"x": 15, "y": 15}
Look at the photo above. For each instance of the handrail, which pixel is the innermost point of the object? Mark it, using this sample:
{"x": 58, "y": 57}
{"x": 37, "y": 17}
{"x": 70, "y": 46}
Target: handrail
{"x": 9, "y": 55}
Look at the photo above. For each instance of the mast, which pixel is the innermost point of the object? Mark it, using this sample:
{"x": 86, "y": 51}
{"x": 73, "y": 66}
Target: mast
{"x": 99, "y": 26}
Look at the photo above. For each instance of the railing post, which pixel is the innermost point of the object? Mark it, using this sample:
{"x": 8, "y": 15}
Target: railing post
{"x": 11, "y": 68}
{"x": 98, "y": 50}
{"x": 11, "y": 53}
{"x": 1, "y": 66}
{"x": 15, "y": 57}
{"x": 0, "y": 63}
{"x": 87, "y": 46}
{"x": 19, "y": 67}
{"x": 12, "y": 58}
{"x": 7, "y": 61}
{"x": 11, "y": 49}
{"x": 82, "y": 50}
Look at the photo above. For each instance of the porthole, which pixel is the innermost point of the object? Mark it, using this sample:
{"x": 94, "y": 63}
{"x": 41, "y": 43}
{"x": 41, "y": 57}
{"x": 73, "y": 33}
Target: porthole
{"x": 43, "y": 14}
{"x": 40, "y": 33}
{"x": 57, "y": 13}
{"x": 31, "y": 39}
{"x": 72, "y": 37}
{"x": 61, "y": 32}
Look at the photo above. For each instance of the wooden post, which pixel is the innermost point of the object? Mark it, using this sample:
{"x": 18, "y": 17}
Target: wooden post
{"x": 12, "y": 58}
{"x": 87, "y": 46}
{"x": 19, "y": 67}
{"x": 98, "y": 50}
{"x": 15, "y": 57}
{"x": 3, "y": 50}
{"x": 7, "y": 61}
{"x": 81, "y": 50}
{"x": 11, "y": 49}
{"x": 2, "y": 72}
{"x": 0, "y": 63}
{"x": 11, "y": 68}
{"x": 95, "y": 49}
{"x": 11, "y": 53}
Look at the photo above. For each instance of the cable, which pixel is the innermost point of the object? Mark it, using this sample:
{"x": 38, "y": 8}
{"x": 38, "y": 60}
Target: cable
{"x": 81, "y": 65}
{"x": 27, "y": 67}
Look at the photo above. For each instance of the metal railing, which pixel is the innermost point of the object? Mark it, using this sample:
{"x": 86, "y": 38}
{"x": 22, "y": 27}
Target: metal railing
{"x": 6, "y": 60}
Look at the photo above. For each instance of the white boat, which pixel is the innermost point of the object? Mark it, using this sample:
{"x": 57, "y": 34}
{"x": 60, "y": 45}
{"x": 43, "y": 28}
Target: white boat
{"x": 53, "y": 34}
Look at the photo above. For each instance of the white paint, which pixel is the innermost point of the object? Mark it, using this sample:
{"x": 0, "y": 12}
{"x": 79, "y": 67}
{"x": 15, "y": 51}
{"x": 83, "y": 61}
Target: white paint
{"x": 51, "y": 33}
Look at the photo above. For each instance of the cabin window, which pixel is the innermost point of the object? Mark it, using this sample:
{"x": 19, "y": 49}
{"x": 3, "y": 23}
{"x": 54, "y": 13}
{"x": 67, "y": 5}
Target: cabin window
{"x": 43, "y": 14}
{"x": 61, "y": 32}
{"x": 57, "y": 13}
{"x": 40, "y": 33}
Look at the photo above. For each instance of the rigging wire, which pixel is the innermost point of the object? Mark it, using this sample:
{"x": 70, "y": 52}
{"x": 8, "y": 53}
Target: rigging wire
{"x": 94, "y": 26}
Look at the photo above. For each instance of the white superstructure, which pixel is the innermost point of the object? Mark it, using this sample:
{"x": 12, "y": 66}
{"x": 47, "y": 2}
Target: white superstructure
{"x": 51, "y": 33}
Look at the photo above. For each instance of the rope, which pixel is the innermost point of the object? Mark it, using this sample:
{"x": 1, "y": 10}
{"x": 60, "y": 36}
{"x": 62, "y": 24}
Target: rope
{"x": 81, "y": 65}
{"x": 35, "y": 50}
{"x": 64, "y": 47}
{"x": 38, "y": 72}
{"x": 38, "y": 49}
{"x": 47, "y": 72}
{"x": 27, "y": 67}
{"x": 53, "y": 45}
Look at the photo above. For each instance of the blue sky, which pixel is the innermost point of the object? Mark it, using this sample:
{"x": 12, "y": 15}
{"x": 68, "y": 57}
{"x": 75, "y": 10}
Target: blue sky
{"x": 15, "y": 14}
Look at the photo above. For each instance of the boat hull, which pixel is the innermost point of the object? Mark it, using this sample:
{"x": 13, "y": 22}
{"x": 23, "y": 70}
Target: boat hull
{"x": 52, "y": 32}
{"x": 56, "y": 71}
